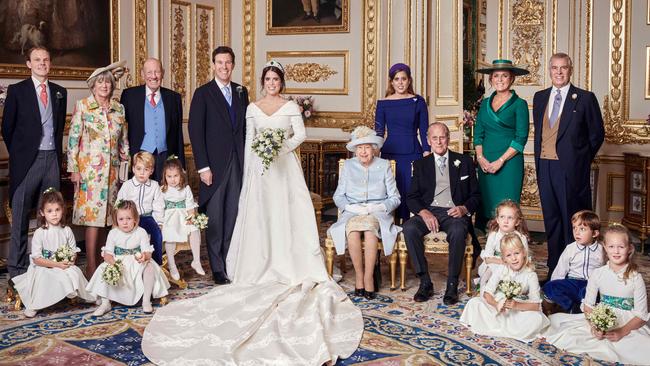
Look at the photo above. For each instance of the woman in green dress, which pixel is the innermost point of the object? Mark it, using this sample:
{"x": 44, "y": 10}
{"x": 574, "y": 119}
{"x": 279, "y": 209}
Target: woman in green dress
{"x": 500, "y": 134}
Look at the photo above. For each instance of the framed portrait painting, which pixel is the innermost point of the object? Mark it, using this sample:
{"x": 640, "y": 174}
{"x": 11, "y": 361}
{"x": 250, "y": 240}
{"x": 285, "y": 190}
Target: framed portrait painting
{"x": 81, "y": 35}
{"x": 307, "y": 16}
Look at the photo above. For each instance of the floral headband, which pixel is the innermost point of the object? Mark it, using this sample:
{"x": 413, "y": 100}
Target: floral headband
{"x": 274, "y": 64}
{"x": 172, "y": 157}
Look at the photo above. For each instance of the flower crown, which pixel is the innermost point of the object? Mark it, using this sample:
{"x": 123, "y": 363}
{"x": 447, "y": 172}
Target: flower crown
{"x": 172, "y": 157}
{"x": 118, "y": 204}
{"x": 274, "y": 64}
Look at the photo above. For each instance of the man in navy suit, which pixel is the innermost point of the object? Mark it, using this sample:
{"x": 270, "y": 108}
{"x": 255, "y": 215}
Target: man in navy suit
{"x": 568, "y": 133}
{"x": 32, "y": 128}
{"x": 443, "y": 196}
{"x": 217, "y": 128}
{"x": 155, "y": 117}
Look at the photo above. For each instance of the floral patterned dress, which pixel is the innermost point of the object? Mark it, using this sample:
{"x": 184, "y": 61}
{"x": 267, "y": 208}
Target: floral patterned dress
{"x": 97, "y": 144}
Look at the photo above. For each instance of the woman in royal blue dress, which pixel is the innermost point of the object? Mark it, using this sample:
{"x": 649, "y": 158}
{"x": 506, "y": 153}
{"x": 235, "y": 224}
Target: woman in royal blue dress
{"x": 399, "y": 118}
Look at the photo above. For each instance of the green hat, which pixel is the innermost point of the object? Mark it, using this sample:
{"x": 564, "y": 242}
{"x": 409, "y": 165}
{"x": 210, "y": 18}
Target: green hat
{"x": 503, "y": 65}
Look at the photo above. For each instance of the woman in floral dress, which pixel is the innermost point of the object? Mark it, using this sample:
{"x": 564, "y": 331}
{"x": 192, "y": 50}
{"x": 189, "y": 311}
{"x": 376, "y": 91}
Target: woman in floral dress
{"x": 97, "y": 144}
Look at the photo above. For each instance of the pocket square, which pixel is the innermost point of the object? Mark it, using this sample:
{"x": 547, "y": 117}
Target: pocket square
{"x": 464, "y": 177}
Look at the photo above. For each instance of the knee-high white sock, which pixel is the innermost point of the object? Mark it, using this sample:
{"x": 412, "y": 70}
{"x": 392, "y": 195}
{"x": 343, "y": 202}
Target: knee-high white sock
{"x": 170, "y": 248}
{"x": 195, "y": 245}
{"x": 147, "y": 278}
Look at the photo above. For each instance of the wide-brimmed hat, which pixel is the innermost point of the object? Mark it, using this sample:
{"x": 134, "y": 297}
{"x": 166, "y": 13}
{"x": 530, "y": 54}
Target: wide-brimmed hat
{"x": 503, "y": 65}
{"x": 364, "y": 135}
{"x": 116, "y": 68}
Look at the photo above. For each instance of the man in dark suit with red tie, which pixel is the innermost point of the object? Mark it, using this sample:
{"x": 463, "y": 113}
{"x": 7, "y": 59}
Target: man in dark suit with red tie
{"x": 217, "y": 128}
{"x": 155, "y": 117}
{"x": 568, "y": 133}
{"x": 32, "y": 128}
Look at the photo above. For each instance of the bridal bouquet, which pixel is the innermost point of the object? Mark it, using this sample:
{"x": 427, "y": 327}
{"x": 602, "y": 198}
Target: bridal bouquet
{"x": 267, "y": 144}
{"x": 113, "y": 273}
{"x": 602, "y": 317}
{"x": 200, "y": 221}
{"x": 64, "y": 254}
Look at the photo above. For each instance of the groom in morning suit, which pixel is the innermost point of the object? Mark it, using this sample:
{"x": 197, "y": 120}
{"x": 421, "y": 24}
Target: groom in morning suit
{"x": 217, "y": 127}
{"x": 443, "y": 196}
{"x": 568, "y": 133}
{"x": 155, "y": 117}
{"x": 32, "y": 128}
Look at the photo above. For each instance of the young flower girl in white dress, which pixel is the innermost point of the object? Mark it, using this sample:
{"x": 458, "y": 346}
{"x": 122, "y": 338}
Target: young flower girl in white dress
{"x": 623, "y": 290}
{"x": 519, "y": 317}
{"x": 49, "y": 279}
{"x": 141, "y": 277}
{"x": 509, "y": 219}
{"x": 179, "y": 208}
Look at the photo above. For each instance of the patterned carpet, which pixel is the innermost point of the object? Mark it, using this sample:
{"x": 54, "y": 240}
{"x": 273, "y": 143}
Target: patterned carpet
{"x": 398, "y": 331}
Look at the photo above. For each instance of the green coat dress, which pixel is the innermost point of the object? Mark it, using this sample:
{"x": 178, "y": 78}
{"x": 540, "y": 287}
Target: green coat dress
{"x": 496, "y": 131}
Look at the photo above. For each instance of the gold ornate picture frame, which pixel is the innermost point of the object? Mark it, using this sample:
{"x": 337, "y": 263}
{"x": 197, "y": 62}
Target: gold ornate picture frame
{"x": 300, "y": 17}
{"x": 82, "y": 55}
{"x": 314, "y": 72}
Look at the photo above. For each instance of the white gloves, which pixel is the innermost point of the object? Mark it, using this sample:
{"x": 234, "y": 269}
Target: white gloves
{"x": 365, "y": 208}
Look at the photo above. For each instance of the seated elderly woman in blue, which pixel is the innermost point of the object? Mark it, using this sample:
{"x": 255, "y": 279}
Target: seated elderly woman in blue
{"x": 366, "y": 196}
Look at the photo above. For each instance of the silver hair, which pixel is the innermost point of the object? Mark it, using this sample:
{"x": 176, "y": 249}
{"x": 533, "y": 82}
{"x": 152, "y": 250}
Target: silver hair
{"x": 106, "y": 75}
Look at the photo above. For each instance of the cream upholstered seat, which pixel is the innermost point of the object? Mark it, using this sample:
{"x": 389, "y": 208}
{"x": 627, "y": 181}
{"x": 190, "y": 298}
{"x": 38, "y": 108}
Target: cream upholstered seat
{"x": 330, "y": 250}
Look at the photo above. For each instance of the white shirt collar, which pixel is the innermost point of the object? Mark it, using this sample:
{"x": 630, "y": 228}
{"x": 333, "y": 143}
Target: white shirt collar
{"x": 446, "y": 155}
{"x": 592, "y": 247}
{"x": 148, "y": 93}
{"x": 37, "y": 84}
{"x": 221, "y": 86}
{"x": 563, "y": 90}
{"x": 137, "y": 183}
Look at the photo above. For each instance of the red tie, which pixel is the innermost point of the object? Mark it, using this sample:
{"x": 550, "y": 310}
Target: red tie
{"x": 43, "y": 95}
{"x": 153, "y": 101}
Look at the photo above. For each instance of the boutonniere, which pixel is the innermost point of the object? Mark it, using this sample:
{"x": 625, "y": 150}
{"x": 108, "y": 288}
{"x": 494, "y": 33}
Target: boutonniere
{"x": 574, "y": 96}
{"x": 59, "y": 95}
{"x": 456, "y": 163}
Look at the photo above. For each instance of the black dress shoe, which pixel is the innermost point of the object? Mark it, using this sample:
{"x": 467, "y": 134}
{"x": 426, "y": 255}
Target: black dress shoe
{"x": 306, "y": 16}
{"x": 317, "y": 18}
{"x": 359, "y": 292}
{"x": 370, "y": 295}
{"x": 220, "y": 278}
{"x": 451, "y": 295}
{"x": 424, "y": 292}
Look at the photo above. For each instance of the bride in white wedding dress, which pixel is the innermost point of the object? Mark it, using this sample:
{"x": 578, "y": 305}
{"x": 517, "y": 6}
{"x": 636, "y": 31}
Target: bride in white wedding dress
{"x": 281, "y": 308}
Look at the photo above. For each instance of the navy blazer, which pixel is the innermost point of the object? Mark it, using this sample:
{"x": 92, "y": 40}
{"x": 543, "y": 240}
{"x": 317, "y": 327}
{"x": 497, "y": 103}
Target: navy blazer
{"x": 133, "y": 100}
{"x": 22, "y": 130}
{"x": 212, "y": 134}
{"x": 580, "y": 135}
{"x": 464, "y": 192}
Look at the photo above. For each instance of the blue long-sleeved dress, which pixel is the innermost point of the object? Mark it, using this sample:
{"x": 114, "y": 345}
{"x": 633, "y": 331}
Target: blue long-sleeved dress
{"x": 400, "y": 121}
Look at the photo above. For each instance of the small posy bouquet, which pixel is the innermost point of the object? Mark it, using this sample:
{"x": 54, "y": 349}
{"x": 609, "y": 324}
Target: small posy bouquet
{"x": 267, "y": 144}
{"x": 306, "y": 105}
{"x": 113, "y": 273}
{"x": 64, "y": 254}
{"x": 509, "y": 288}
{"x": 200, "y": 221}
{"x": 602, "y": 317}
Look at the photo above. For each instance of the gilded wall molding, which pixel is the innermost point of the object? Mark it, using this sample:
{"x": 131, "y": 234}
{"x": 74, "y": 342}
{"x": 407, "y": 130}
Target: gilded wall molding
{"x": 500, "y": 31}
{"x": 530, "y": 191}
{"x": 455, "y": 98}
{"x": 115, "y": 30}
{"x": 527, "y": 47}
{"x": 204, "y": 38}
{"x": 308, "y": 72}
{"x": 248, "y": 47}
{"x": 140, "y": 40}
{"x": 610, "y": 191}
{"x": 225, "y": 22}
{"x": 179, "y": 13}
{"x": 618, "y": 129}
